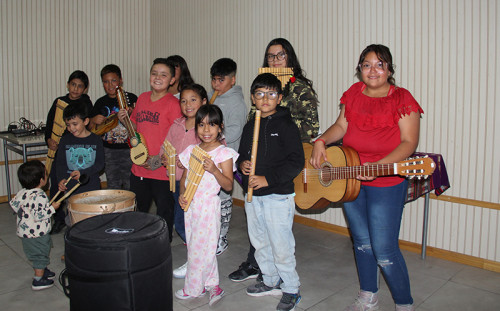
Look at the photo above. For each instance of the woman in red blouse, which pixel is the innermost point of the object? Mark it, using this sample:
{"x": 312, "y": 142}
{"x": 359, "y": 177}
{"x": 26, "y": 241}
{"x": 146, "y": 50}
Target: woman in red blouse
{"x": 381, "y": 122}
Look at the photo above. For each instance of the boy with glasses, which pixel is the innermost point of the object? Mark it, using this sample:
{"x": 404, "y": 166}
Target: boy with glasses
{"x": 280, "y": 158}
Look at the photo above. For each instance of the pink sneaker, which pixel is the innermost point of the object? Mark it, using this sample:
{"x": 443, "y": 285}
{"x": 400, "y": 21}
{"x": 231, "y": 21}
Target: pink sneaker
{"x": 216, "y": 294}
{"x": 182, "y": 295}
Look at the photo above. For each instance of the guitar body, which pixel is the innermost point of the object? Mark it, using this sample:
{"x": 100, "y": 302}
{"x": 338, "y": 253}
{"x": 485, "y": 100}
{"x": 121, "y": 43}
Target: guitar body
{"x": 313, "y": 191}
{"x": 138, "y": 151}
{"x": 110, "y": 123}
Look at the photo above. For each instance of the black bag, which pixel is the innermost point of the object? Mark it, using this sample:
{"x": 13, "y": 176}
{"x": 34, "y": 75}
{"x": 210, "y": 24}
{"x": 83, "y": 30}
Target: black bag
{"x": 119, "y": 261}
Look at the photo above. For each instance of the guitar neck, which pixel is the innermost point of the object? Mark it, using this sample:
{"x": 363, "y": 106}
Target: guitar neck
{"x": 122, "y": 103}
{"x": 373, "y": 170}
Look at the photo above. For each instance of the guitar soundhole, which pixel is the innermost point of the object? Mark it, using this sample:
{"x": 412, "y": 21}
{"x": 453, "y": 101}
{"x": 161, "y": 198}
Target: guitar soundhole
{"x": 325, "y": 174}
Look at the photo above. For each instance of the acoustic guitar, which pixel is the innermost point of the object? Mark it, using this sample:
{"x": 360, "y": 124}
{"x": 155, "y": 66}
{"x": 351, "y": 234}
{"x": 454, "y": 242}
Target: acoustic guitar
{"x": 109, "y": 123}
{"x": 336, "y": 180}
{"x": 138, "y": 149}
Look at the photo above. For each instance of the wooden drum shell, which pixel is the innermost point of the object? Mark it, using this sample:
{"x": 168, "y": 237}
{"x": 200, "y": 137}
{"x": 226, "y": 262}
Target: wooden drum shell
{"x": 87, "y": 204}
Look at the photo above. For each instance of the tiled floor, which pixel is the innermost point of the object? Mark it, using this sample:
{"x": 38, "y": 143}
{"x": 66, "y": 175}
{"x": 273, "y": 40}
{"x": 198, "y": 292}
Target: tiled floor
{"x": 324, "y": 261}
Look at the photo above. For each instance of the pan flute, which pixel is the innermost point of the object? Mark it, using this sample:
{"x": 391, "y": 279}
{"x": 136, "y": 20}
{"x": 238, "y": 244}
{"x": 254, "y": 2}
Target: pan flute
{"x": 170, "y": 153}
{"x": 283, "y": 74}
{"x": 57, "y": 131}
{"x": 195, "y": 173}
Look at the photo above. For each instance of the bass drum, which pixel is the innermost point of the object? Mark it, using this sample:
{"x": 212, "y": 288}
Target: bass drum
{"x": 119, "y": 261}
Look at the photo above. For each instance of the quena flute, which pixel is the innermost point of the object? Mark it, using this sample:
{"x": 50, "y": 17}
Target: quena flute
{"x": 253, "y": 158}
{"x": 213, "y": 97}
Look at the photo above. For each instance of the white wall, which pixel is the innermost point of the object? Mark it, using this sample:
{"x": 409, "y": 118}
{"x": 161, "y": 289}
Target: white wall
{"x": 43, "y": 42}
{"x": 445, "y": 53}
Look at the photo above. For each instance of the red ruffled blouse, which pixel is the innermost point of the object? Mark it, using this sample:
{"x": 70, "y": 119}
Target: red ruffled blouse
{"x": 373, "y": 129}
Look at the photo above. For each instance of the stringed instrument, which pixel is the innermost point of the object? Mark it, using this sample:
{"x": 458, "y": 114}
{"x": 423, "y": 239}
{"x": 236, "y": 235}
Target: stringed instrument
{"x": 336, "y": 180}
{"x": 138, "y": 150}
{"x": 109, "y": 123}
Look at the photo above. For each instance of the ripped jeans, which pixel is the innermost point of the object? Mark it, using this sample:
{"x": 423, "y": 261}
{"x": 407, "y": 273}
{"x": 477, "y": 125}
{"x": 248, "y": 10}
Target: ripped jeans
{"x": 374, "y": 220}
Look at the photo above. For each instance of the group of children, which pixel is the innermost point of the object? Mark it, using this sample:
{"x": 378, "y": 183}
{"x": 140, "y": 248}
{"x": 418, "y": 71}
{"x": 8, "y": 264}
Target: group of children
{"x": 177, "y": 110}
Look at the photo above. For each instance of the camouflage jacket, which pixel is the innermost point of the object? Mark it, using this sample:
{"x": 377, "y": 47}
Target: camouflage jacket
{"x": 303, "y": 106}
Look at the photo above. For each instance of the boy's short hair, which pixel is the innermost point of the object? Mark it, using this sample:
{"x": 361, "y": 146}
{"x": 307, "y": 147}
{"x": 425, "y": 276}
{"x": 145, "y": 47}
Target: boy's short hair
{"x": 30, "y": 174}
{"x": 166, "y": 62}
{"x": 75, "y": 110}
{"x": 223, "y": 67}
{"x": 78, "y": 74}
{"x": 111, "y": 68}
{"x": 266, "y": 80}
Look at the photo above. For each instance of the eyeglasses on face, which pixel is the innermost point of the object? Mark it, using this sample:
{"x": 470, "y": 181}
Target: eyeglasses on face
{"x": 280, "y": 56}
{"x": 379, "y": 66}
{"x": 270, "y": 95}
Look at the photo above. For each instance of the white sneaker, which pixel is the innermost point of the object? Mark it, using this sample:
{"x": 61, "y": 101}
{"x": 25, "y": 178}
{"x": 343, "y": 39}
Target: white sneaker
{"x": 366, "y": 301}
{"x": 180, "y": 272}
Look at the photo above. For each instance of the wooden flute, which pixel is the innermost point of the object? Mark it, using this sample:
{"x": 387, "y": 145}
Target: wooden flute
{"x": 253, "y": 158}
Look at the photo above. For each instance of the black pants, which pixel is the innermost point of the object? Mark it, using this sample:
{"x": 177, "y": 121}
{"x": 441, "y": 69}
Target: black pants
{"x": 146, "y": 190}
{"x": 251, "y": 256}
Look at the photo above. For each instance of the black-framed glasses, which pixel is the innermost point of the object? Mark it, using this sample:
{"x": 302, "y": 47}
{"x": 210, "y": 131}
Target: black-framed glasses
{"x": 270, "y": 94}
{"x": 280, "y": 56}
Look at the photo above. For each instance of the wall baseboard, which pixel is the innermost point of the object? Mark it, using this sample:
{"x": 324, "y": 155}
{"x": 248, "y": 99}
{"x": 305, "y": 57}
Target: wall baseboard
{"x": 409, "y": 246}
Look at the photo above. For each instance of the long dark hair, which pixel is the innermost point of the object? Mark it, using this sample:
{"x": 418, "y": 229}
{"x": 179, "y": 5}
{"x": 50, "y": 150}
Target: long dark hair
{"x": 292, "y": 61}
{"x": 383, "y": 54}
{"x": 185, "y": 78}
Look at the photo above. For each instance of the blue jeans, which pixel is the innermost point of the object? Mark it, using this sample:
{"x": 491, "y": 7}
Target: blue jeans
{"x": 270, "y": 220}
{"x": 374, "y": 220}
{"x": 179, "y": 214}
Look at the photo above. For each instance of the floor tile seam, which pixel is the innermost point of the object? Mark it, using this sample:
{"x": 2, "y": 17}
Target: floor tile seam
{"x": 17, "y": 254}
{"x": 475, "y": 287}
{"x": 15, "y": 290}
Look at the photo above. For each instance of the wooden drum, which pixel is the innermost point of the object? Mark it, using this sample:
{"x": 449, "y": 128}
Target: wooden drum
{"x": 85, "y": 205}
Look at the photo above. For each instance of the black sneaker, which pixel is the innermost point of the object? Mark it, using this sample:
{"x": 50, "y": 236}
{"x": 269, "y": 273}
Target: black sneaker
{"x": 43, "y": 283}
{"x": 260, "y": 278}
{"x": 261, "y": 289}
{"x": 245, "y": 272}
{"x": 288, "y": 302}
{"x": 48, "y": 274}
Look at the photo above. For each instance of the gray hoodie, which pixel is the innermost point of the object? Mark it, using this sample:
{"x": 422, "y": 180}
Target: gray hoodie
{"x": 234, "y": 111}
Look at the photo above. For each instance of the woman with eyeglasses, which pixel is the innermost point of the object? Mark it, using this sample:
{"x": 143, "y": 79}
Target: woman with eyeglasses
{"x": 381, "y": 121}
{"x": 299, "y": 95}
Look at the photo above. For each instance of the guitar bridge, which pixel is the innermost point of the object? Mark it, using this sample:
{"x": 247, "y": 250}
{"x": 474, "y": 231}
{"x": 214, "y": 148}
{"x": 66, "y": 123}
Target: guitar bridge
{"x": 304, "y": 179}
